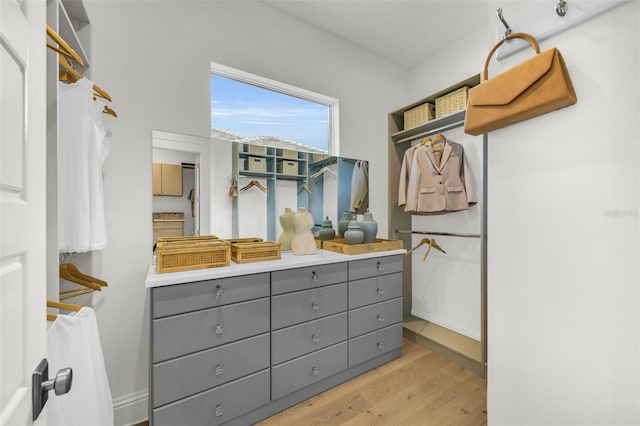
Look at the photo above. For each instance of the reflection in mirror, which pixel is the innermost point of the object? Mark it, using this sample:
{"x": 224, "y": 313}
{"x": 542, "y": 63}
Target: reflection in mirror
{"x": 242, "y": 188}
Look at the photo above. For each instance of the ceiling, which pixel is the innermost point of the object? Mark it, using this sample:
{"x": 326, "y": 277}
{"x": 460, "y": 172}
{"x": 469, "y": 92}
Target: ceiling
{"x": 404, "y": 32}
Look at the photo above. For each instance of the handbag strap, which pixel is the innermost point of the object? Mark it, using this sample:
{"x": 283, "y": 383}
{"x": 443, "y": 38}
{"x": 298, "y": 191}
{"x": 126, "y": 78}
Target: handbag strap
{"x": 532, "y": 41}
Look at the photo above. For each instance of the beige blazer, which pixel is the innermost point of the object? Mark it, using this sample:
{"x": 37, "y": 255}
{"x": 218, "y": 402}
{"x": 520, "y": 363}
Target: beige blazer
{"x": 405, "y": 173}
{"x": 440, "y": 186}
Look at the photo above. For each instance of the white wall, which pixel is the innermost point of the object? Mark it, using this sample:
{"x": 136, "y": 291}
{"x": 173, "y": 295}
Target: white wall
{"x": 154, "y": 60}
{"x": 563, "y": 252}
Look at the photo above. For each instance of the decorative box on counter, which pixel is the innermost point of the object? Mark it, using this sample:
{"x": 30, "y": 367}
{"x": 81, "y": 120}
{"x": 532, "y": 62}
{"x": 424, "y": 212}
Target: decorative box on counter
{"x": 244, "y": 250}
{"x": 341, "y": 246}
{"x": 186, "y": 253}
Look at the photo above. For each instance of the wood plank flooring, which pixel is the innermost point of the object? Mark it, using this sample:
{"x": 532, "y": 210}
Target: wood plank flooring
{"x": 420, "y": 388}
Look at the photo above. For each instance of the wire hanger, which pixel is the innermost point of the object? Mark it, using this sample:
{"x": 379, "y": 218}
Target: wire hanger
{"x": 304, "y": 187}
{"x": 64, "y": 306}
{"x": 432, "y": 243}
{"x": 255, "y": 183}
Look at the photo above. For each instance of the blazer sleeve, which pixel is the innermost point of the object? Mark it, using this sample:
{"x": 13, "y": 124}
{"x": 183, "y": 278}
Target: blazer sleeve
{"x": 404, "y": 176}
{"x": 413, "y": 185}
{"x": 469, "y": 183}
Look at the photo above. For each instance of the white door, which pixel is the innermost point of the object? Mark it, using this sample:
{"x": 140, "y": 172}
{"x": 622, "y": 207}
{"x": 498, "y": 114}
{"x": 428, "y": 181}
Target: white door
{"x": 22, "y": 204}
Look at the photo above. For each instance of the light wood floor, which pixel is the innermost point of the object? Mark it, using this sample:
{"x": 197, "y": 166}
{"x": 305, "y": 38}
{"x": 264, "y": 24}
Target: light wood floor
{"x": 420, "y": 388}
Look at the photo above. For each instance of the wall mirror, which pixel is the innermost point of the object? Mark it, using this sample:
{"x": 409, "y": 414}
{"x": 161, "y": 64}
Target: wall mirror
{"x": 238, "y": 190}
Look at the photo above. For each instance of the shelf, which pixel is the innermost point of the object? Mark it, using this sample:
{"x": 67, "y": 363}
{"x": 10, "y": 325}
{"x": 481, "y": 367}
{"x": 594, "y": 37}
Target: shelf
{"x": 249, "y": 173}
{"x": 290, "y": 177}
{"x": 244, "y": 154}
{"x": 438, "y": 125}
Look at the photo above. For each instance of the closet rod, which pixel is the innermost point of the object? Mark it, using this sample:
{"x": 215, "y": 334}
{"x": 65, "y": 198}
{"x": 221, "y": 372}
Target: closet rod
{"x": 431, "y": 132}
{"x": 446, "y": 234}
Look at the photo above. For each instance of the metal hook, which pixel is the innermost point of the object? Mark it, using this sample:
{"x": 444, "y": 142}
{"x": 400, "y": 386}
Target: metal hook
{"x": 507, "y": 27}
{"x": 562, "y": 7}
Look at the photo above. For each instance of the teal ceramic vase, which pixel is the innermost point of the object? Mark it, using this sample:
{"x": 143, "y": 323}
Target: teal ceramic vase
{"x": 369, "y": 227}
{"x": 327, "y": 232}
{"x": 353, "y": 234}
{"x": 343, "y": 224}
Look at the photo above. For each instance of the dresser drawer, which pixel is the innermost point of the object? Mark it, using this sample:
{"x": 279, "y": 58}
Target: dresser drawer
{"x": 306, "y": 370}
{"x": 308, "y": 277}
{"x": 373, "y": 290}
{"x": 188, "y": 375}
{"x": 187, "y": 333}
{"x": 218, "y": 405}
{"x": 367, "y": 268}
{"x": 301, "y": 339}
{"x": 371, "y": 345}
{"x": 294, "y": 308}
{"x": 181, "y": 298}
{"x": 374, "y": 317}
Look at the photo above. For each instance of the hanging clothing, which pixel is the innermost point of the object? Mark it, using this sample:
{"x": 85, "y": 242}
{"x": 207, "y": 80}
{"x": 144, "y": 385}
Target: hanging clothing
{"x": 360, "y": 188}
{"x": 73, "y": 341}
{"x": 81, "y": 154}
{"x": 440, "y": 182}
{"x": 405, "y": 173}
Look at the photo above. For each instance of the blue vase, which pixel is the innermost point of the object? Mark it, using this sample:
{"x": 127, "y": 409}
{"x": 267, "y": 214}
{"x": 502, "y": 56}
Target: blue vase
{"x": 343, "y": 223}
{"x": 369, "y": 228}
{"x": 353, "y": 234}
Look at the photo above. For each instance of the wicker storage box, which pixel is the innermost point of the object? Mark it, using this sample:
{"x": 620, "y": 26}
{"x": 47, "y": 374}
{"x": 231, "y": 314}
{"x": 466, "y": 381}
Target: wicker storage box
{"x": 452, "y": 102}
{"x": 255, "y": 164}
{"x": 418, "y": 115}
{"x": 318, "y": 157}
{"x": 288, "y": 153}
{"x": 255, "y": 149}
{"x": 287, "y": 167}
{"x": 248, "y": 250}
{"x": 186, "y": 253}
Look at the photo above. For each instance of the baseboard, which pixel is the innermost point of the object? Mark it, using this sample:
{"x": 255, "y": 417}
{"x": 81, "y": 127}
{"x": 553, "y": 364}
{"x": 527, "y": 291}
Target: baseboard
{"x": 472, "y": 334}
{"x": 131, "y": 409}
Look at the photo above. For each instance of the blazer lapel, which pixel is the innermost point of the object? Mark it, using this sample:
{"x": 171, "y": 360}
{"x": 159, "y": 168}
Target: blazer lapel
{"x": 445, "y": 156}
{"x": 431, "y": 156}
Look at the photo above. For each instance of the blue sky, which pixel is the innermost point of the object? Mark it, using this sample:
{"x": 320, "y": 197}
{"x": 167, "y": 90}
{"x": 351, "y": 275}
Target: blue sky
{"x": 253, "y": 111}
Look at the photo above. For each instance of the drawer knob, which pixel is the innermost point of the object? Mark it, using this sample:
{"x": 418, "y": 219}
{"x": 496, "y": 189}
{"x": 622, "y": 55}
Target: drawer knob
{"x": 380, "y": 318}
{"x": 380, "y": 291}
{"x": 219, "y": 291}
{"x": 315, "y": 338}
{"x": 315, "y": 371}
{"x": 380, "y": 345}
{"x": 219, "y": 329}
{"x": 219, "y": 370}
{"x": 314, "y": 276}
{"x": 315, "y": 306}
{"x": 380, "y": 267}
{"x": 219, "y": 410}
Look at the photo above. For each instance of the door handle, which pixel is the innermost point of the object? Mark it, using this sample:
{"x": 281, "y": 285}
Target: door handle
{"x": 41, "y": 385}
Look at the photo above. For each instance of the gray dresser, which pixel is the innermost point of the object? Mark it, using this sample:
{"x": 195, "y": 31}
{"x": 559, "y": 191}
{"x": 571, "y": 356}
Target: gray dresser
{"x": 236, "y": 350}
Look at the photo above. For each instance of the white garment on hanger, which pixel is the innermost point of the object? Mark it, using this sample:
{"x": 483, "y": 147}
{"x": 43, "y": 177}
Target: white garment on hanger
{"x": 81, "y": 153}
{"x": 73, "y": 341}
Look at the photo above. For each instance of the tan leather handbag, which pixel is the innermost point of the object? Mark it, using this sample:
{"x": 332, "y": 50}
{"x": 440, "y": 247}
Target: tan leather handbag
{"x": 537, "y": 86}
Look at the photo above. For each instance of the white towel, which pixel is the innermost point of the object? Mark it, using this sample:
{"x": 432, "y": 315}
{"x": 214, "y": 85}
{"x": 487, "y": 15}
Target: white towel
{"x": 73, "y": 341}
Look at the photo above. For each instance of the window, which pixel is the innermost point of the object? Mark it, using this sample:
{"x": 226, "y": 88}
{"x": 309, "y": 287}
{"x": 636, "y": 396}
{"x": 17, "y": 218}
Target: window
{"x": 252, "y": 106}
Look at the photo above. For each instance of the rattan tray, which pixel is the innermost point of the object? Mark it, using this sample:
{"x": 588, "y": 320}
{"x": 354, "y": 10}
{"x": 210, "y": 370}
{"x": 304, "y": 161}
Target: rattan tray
{"x": 187, "y": 253}
{"x": 340, "y": 246}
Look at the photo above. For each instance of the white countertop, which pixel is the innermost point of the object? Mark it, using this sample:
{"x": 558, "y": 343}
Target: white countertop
{"x": 288, "y": 261}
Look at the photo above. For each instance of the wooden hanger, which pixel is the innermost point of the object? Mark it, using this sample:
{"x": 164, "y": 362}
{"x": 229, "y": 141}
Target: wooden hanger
{"x": 431, "y": 242}
{"x": 66, "y": 49}
{"x": 304, "y": 187}
{"x": 75, "y": 73}
{"x": 68, "y": 273}
{"x": 58, "y": 305}
{"x": 323, "y": 171}
{"x": 424, "y": 141}
{"x": 73, "y": 269}
{"x": 438, "y": 139}
{"x": 109, "y": 111}
{"x": 255, "y": 183}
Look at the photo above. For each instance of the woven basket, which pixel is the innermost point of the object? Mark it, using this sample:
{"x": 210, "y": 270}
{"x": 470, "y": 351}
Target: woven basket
{"x": 187, "y": 253}
{"x": 243, "y": 252}
{"x": 288, "y": 167}
{"x": 418, "y": 115}
{"x": 452, "y": 102}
